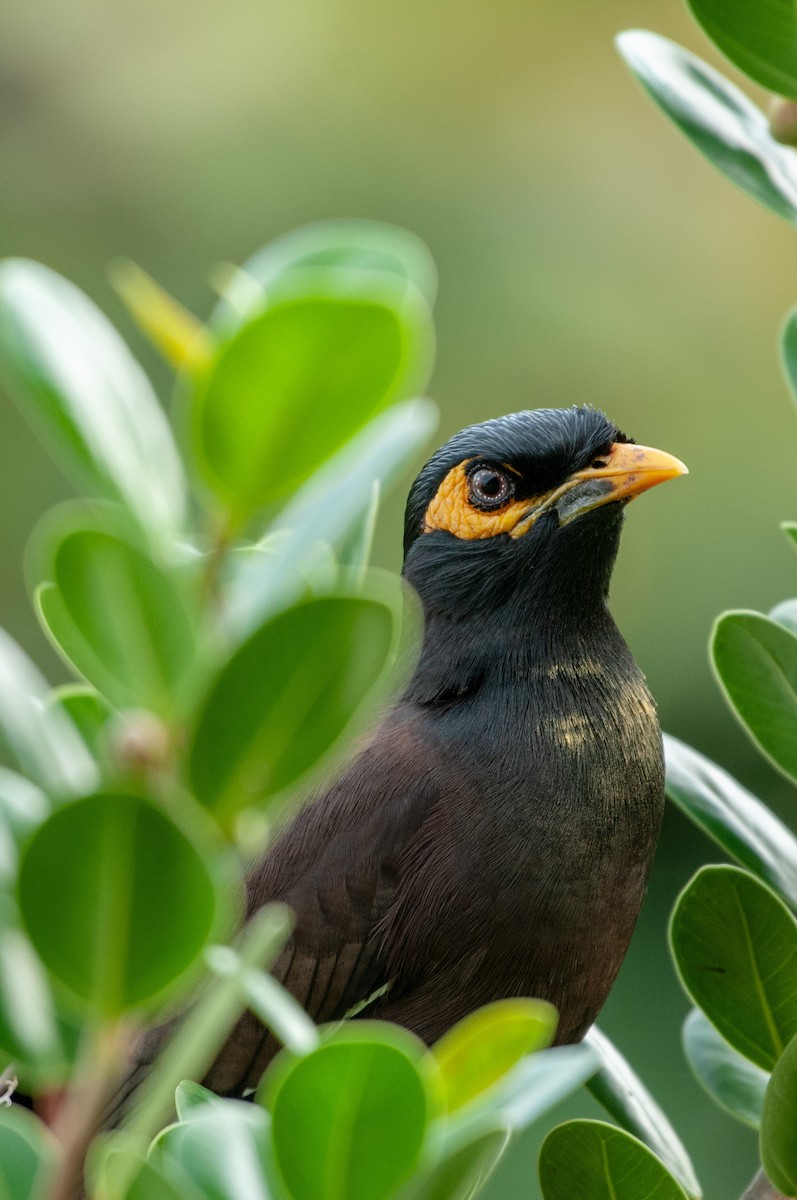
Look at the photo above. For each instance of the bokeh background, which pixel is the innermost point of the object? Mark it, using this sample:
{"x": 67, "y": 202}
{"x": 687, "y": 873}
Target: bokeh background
{"x": 585, "y": 252}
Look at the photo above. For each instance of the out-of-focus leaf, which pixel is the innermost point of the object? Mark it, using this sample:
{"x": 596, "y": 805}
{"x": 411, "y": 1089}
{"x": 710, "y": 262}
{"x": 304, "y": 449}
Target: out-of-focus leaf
{"x": 785, "y": 614}
{"x": 220, "y": 1150}
{"x": 735, "y": 947}
{"x": 790, "y": 359}
{"x": 333, "y": 351}
{"x": 286, "y": 696}
{"x": 482, "y": 1047}
{"x": 95, "y": 882}
{"x": 756, "y": 663}
{"x": 716, "y": 117}
{"x": 23, "y": 806}
{"x": 758, "y": 36}
{"x": 42, "y": 740}
{"x": 190, "y": 1097}
{"x": 180, "y": 336}
{"x": 353, "y": 246}
{"x": 87, "y": 397}
{"x": 124, "y": 1174}
{"x": 199, "y": 1036}
{"x": 733, "y": 1082}
{"x": 348, "y": 1119}
{"x": 732, "y": 816}
{"x": 590, "y": 1160}
{"x": 29, "y": 1028}
{"x": 788, "y": 350}
{"x": 458, "y": 1175}
{"x": 622, "y": 1093}
{"x": 115, "y": 616}
{"x": 27, "y": 1154}
{"x": 356, "y": 549}
{"x": 530, "y": 1089}
{"x": 778, "y": 1143}
{"x": 279, "y": 1012}
{"x": 327, "y": 509}
{"x": 86, "y": 708}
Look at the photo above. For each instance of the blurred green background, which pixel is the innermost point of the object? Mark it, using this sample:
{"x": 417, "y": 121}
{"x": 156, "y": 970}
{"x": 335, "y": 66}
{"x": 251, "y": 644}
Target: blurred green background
{"x": 586, "y": 254}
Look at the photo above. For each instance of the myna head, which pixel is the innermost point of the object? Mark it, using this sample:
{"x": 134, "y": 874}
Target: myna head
{"x": 530, "y": 503}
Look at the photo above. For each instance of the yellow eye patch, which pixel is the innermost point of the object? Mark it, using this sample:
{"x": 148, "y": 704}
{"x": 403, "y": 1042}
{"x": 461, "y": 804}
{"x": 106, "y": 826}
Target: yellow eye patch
{"x": 452, "y": 511}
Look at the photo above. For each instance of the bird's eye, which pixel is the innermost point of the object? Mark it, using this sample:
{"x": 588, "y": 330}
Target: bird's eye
{"x": 489, "y": 488}
{"x": 597, "y": 463}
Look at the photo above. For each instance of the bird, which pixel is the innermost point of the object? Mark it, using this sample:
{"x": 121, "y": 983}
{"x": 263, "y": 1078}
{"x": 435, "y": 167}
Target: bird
{"x": 493, "y": 836}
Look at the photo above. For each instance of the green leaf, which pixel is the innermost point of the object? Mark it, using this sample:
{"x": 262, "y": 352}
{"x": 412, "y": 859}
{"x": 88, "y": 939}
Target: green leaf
{"x": 29, "y": 1026}
{"x": 326, "y": 357}
{"x": 116, "y": 900}
{"x": 590, "y": 1160}
{"x": 717, "y": 118}
{"x": 27, "y": 1154}
{"x": 86, "y": 396}
{"x": 23, "y": 806}
{"x": 785, "y": 614}
{"x": 86, "y": 709}
{"x": 758, "y": 36}
{"x": 115, "y": 616}
{"x": 733, "y": 1082}
{"x": 778, "y": 1143}
{"x": 735, "y": 947}
{"x": 42, "y": 740}
{"x": 459, "y": 1174}
{"x": 286, "y": 696}
{"x": 482, "y": 1047}
{"x": 732, "y": 816}
{"x": 624, "y": 1096}
{"x": 756, "y": 663}
{"x": 348, "y": 1119}
{"x": 327, "y": 509}
{"x": 788, "y": 350}
{"x": 354, "y": 246}
{"x": 279, "y": 1012}
{"x": 220, "y": 1150}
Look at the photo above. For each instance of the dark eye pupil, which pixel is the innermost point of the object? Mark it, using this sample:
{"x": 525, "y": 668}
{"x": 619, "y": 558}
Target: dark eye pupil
{"x": 489, "y": 485}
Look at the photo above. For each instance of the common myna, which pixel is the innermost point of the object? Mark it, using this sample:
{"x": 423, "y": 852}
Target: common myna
{"x": 494, "y": 836}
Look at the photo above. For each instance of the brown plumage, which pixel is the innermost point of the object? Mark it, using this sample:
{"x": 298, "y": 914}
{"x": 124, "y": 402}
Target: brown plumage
{"x": 494, "y": 836}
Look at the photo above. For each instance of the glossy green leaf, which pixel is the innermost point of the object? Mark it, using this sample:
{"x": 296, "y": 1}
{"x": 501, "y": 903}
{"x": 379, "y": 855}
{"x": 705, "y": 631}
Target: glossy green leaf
{"x": 119, "y": 619}
{"x": 27, "y": 1154}
{"x": 87, "y": 397}
{"x": 756, "y": 663}
{"x": 743, "y": 826}
{"x": 285, "y": 698}
{"x": 590, "y": 1160}
{"x": 323, "y": 360}
{"x": 735, "y": 947}
{"x": 348, "y": 1120}
{"x": 220, "y": 1150}
{"x": 353, "y": 246}
{"x": 717, "y": 118}
{"x": 524, "y": 1094}
{"x": 778, "y": 1143}
{"x": 622, "y": 1093}
{"x": 117, "y": 901}
{"x": 482, "y": 1047}
{"x": 328, "y": 508}
{"x": 42, "y": 740}
{"x": 758, "y": 36}
{"x": 190, "y": 1097}
{"x": 193, "y": 1046}
{"x": 459, "y": 1174}
{"x": 733, "y": 1082}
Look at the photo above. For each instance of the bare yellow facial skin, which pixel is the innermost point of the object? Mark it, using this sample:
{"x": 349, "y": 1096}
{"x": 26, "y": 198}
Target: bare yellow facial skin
{"x": 625, "y": 472}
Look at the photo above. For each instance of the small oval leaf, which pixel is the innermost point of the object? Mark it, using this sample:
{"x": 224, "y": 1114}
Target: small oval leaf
{"x": 482, "y": 1047}
{"x": 348, "y": 1119}
{"x": 285, "y": 698}
{"x": 324, "y": 361}
{"x": 717, "y": 118}
{"x": 87, "y": 397}
{"x": 756, "y": 662}
{"x": 733, "y": 1082}
{"x": 116, "y": 900}
{"x": 778, "y": 1143}
{"x": 27, "y": 1154}
{"x": 590, "y": 1160}
{"x": 734, "y": 943}
{"x": 758, "y": 36}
